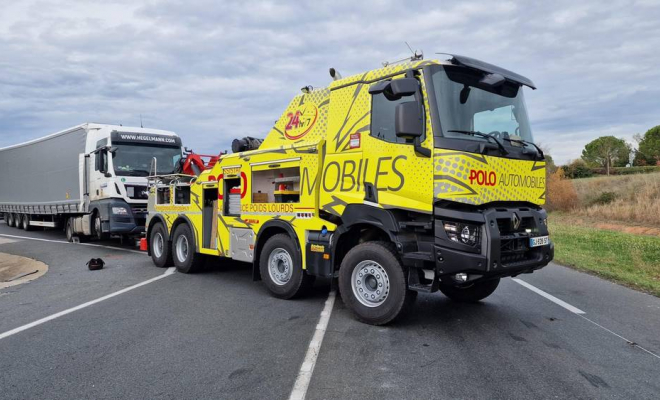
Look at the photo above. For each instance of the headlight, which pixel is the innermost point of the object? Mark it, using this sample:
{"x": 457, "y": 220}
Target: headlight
{"x": 462, "y": 233}
{"x": 119, "y": 210}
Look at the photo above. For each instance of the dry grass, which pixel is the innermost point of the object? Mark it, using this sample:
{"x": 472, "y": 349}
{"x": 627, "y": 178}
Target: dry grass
{"x": 562, "y": 195}
{"x": 631, "y": 199}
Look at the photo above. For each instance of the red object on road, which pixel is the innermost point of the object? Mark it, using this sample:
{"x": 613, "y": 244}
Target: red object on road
{"x": 143, "y": 244}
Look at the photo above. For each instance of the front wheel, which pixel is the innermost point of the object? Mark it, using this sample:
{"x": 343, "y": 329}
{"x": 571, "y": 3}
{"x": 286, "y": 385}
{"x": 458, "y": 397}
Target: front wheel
{"x": 98, "y": 228}
{"x": 281, "y": 268}
{"x": 372, "y": 283}
{"x": 471, "y": 293}
{"x": 159, "y": 246}
{"x": 185, "y": 257}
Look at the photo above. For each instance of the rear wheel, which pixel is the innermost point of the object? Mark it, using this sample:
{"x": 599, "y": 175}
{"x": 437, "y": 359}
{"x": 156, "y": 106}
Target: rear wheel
{"x": 69, "y": 230}
{"x": 185, "y": 257}
{"x": 9, "y": 219}
{"x": 16, "y": 220}
{"x": 159, "y": 246}
{"x": 281, "y": 268}
{"x": 471, "y": 293}
{"x": 373, "y": 284}
{"x": 26, "y": 222}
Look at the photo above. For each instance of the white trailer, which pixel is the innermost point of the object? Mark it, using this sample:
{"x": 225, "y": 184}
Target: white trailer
{"x": 90, "y": 179}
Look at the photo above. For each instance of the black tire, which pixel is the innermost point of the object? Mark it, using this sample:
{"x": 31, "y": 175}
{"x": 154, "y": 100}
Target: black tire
{"x": 68, "y": 230}
{"x": 16, "y": 220}
{"x": 5, "y": 216}
{"x": 472, "y": 293}
{"x": 25, "y": 223}
{"x": 160, "y": 246}
{"x": 187, "y": 261}
{"x": 384, "y": 269}
{"x": 286, "y": 279}
{"x": 97, "y": 227}
{"x": 9, "y": 219}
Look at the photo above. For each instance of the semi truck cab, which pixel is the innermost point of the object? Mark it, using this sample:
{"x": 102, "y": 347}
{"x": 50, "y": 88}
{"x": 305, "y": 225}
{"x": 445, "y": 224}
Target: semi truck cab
{"x": 421, "y": 176}
{"x": 119, "y": 160}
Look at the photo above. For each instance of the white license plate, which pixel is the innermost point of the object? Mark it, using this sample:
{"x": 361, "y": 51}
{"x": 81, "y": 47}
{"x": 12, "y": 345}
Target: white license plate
{"x": 539, "y": 241}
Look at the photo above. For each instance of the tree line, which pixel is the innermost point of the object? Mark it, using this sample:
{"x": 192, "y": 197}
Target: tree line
{"x": 608, "y": 153}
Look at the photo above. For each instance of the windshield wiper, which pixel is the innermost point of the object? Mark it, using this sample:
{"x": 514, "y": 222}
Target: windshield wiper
{"x": 503, "y": 150}
{"x": 526, "y": 143}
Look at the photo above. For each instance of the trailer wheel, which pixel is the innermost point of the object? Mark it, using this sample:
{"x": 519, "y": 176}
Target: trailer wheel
{"x": 161, "y": 250}
{"x": 5, "y": 216}
{"x": 185, "y": 257}
{"x": 472, "y": 293}
{"x": 9, "y": 218}
{"x": 16, "y": 220}
{"x": 26, "y": 222}
{"x": 372, "y": 283}
{"x": 281, "y": 269}
{"x": 69, "y": 230}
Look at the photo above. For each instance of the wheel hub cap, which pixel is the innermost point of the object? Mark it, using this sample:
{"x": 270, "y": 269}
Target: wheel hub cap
{"x": 280, "y": 266}
{"x": 182, "y": 248}
{"x": 370, "y": 283}
{"x": 158, "y": 245}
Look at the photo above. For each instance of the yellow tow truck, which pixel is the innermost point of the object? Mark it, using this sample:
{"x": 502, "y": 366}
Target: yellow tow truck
{"x": 416, "y": 177}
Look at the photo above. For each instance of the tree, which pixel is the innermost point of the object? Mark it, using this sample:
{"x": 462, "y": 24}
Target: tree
{"x": 649, "y": 147}
{"x": 607, "y": 152}
{"x": 576, "y": 169}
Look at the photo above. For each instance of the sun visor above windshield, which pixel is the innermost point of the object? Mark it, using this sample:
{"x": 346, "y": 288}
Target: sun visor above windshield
{"x": 490, "y": 68}
{"x": 145, "y": 138}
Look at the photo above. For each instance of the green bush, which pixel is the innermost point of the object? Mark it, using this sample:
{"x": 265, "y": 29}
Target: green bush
{"x": 604, "y": 198}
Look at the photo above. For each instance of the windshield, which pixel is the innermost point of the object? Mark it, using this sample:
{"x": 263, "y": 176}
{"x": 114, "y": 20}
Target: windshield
{"x": 135, "y": 159}
{"x": 465, "y": 106}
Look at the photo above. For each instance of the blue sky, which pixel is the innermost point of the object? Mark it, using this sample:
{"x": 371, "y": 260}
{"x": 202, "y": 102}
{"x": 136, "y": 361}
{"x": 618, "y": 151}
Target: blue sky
{"x": 215, "y": 70}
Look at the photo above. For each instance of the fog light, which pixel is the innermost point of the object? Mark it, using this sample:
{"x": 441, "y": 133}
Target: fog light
{"x": 461, "y": 277}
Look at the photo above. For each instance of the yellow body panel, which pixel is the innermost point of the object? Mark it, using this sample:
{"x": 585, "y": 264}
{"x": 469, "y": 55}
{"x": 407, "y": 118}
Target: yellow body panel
{"x": 325, "y": 137}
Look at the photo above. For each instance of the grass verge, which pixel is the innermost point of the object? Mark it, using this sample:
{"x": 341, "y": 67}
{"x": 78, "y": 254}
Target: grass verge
{"x": 628, "y": 259}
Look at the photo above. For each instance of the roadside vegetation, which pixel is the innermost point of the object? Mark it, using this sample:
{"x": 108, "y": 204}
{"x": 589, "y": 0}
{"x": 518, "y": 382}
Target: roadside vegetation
{"x": 605, "y": 214}
{"x": 629, "y": 259}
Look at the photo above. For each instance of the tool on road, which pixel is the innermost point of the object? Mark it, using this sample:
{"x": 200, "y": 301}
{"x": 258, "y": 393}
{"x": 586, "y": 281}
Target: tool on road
{"x": 404, "y": 179}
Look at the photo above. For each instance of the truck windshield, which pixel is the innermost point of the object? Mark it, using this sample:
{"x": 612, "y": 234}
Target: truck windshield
{"x": 466, "y": 106}
{"x": 135, "y": 159}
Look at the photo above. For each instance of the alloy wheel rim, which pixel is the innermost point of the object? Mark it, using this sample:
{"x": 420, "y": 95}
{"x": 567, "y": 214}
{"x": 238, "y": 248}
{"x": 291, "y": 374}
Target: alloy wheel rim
{"x": 280, "y": 266}
{"x": 158, "y": 245}
{"x": 370, "y": 283}
{"x": 182, "y": 248}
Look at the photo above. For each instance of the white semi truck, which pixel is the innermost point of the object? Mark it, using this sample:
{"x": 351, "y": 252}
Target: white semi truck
{"x": 90, "y": 179}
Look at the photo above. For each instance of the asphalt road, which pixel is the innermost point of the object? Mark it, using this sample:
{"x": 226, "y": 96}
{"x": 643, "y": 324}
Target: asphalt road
{"x": 217, "y": 334}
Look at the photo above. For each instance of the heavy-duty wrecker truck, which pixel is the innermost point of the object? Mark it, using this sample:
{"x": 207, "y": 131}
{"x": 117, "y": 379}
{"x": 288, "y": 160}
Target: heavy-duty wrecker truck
{"x": 416, "y": 177}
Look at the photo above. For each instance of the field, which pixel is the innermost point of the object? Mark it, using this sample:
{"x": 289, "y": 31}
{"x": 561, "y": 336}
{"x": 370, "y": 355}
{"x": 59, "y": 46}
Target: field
{"x": 629, "y": 259}
{"x": 609, "y": 226}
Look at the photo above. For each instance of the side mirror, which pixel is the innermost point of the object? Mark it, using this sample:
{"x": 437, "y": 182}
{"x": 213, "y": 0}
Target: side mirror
{"x": 408, "y": 120}
{"x": 395, "y": 89}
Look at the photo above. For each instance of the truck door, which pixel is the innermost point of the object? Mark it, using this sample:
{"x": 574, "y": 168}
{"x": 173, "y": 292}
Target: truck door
{"x": 99, "y": 165}
{"x": 399, "y": 176}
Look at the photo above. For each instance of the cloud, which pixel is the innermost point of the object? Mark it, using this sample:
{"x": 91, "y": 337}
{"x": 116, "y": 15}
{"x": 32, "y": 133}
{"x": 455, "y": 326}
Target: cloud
{"x": 215, "y": 70}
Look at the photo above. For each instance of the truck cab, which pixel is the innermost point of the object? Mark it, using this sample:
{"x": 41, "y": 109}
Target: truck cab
{"x": 421, "y": 176}
{"x": 119, "y": 160}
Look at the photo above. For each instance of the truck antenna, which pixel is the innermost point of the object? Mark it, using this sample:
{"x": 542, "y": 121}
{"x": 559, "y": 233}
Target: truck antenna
{"x": 141, "y": 121}
{"x": 416, "y": 55}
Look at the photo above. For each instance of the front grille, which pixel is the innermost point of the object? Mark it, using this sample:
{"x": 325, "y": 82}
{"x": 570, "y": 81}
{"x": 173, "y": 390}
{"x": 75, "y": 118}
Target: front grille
{"x": 505, "y": 225}
{"x": 514, "y": 242}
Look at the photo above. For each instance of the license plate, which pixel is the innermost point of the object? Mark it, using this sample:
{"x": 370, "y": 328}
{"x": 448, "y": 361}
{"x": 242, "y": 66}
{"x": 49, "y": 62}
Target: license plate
{"x": 539, "y": 241}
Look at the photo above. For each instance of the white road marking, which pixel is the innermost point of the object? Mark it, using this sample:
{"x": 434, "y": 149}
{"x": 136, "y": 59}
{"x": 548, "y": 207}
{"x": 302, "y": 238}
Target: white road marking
{"x": 307, "y": 368}
{"x": 550, "y": 297}
{"x": 81, "y": 244}
{"x": 580, "y": 313}
{"x": 14, "y": 331}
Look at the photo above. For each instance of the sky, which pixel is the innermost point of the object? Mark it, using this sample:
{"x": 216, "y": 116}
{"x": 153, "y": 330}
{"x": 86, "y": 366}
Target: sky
{"x": 214, "y": 70}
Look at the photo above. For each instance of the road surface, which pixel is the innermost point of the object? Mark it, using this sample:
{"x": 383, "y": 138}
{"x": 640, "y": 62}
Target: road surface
{"x": 133, "y": 330}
